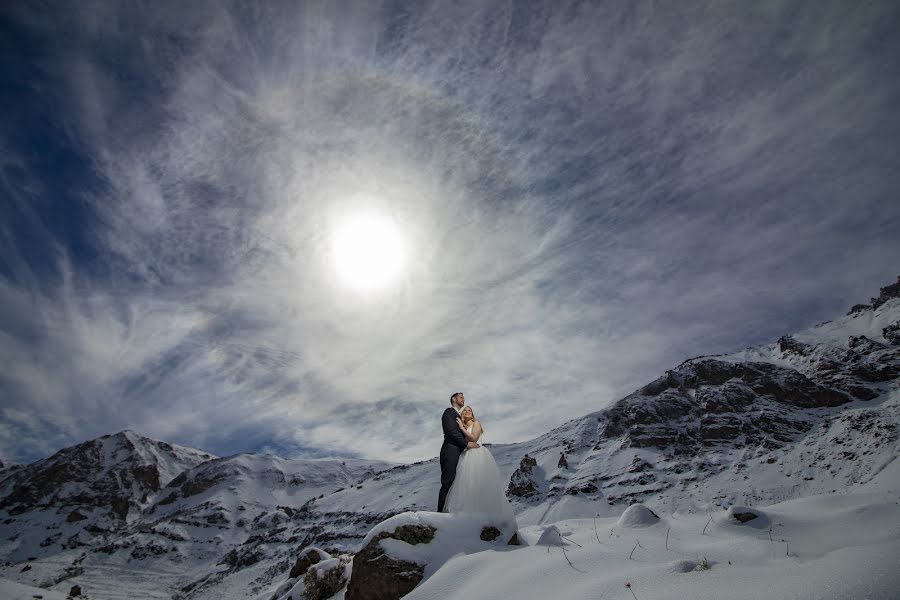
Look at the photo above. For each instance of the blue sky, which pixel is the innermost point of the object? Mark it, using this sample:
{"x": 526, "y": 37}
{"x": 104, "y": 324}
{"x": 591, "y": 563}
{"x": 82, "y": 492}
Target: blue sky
{"x": 589, "y": 193}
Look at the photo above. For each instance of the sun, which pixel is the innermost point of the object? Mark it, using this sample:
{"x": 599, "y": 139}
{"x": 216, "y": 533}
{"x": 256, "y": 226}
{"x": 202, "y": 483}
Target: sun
{"x": 369, "y": 252}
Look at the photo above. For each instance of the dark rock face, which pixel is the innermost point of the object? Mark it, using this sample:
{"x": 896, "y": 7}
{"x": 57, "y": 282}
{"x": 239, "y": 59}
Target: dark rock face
{"x": 109, "y": 472}
{"x": 326, "y": 586}
{"x": 743, "y": 517}
{"x": 490, "y": 533}
{"x": 238, "y": 558}
{"x": 706, "y": 402}
{"x": 75, "y": 516}
{"x": 75, "y": 591}
{"x": 310, "y": 557}
{"x": 855, "y": 370}
{"x": 378, "y": 576}
{"x": 892, "y": 333}
{"x": 886, "y": 293}
{"x": 522, "y": 482}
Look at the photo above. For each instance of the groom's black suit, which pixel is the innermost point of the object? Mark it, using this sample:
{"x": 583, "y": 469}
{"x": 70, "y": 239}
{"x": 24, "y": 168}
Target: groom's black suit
{"x": 455, "y": 443}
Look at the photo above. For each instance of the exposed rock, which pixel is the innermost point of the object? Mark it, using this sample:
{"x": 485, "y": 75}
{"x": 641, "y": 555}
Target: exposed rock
{"x": 490, "y": 533}
{"x": 706, "y": 402}
{"x": 238, "y": 558}
{"x": 563, "y": 463}
{"x": 308, "y": 557}
{"x": 326, "y": 578}
{"x": 75, "y": 591}
{"x": 75, "y": 516}
{"x": 84, "y": 476}
{"x": 522, "y": 482}
{"x": 743, "y": 515}
{"x": 379, "y": 576}
{"x": 858, "y": 308}
{"x": 886, "y": 293}
{"x": 892, "y": 333}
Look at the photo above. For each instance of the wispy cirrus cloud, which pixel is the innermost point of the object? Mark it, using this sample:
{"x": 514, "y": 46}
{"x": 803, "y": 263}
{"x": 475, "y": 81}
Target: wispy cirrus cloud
{"x": 591, "y": 194}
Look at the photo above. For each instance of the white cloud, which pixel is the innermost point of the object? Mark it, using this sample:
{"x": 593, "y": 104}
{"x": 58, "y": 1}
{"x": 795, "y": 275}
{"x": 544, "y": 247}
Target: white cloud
{"x": 590, "y": 195}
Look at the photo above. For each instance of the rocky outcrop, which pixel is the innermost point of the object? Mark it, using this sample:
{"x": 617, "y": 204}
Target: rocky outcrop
{"x": 523, "y": 483}
{"x": 326, "y": 578}
{"x": 379, "y": 576}
{"x": 309, "y": 557}
{"x": 706, "y": 402}
{"x": 886, "y": 293}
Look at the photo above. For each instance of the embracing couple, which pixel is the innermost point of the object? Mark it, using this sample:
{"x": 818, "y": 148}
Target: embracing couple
{"x": 470, "y": 479}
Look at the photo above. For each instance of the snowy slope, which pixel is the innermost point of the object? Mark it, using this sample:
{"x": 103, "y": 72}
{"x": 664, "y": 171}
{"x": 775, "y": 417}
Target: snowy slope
{"x": 837, "y": 547}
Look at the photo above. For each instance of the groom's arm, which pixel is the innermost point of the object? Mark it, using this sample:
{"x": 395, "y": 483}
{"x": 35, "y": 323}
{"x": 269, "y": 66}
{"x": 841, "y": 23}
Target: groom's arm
{"x": 452, "y": 431}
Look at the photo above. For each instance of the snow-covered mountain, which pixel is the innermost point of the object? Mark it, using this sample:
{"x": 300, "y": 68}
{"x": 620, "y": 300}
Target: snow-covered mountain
{"x": 815, "y": 412}
{"x": 125, "y": 512}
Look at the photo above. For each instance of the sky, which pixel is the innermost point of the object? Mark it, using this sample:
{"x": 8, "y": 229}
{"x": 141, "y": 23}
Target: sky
{"x": 585, "y": 194}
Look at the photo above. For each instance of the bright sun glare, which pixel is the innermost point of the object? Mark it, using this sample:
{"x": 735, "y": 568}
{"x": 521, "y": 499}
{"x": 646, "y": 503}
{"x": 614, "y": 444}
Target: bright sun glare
{"x": 369, "y": 252}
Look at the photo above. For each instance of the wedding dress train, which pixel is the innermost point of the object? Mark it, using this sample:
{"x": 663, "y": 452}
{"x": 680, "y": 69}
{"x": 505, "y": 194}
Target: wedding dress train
{"x": 479, "y": 488}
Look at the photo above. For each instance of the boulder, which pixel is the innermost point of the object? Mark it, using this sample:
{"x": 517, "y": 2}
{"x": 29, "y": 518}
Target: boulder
{"x": 326, "y": 578}
{"x": 379, "y": 576}
{"x": 310, "y": 556}
{"x": 404, "y": 550}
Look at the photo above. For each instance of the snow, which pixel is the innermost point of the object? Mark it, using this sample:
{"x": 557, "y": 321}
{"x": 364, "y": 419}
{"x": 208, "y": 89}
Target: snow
{"x": 840, "y": 547}
{"x": 637, "y": 515}
{"x": 10, "y": 590}
{"x": 746, "y": 516}
{"x": 866, "y": 322}
{"x": 454, "y": 534}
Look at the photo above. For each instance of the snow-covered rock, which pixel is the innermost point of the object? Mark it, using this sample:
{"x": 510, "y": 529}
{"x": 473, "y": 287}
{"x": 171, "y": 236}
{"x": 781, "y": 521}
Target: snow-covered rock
{"x": 399, "y": 553}
{"x": 745, "y": 515}
{"x": 637, "y": 515}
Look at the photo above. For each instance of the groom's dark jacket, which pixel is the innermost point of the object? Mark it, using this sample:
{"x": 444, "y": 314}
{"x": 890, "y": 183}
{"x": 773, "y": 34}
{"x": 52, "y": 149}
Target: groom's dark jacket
{"x": 453, "y": 435}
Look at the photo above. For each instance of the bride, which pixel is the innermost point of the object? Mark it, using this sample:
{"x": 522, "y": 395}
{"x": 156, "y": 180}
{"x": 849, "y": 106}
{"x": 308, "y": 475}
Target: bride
{"x": 478, "y": 487}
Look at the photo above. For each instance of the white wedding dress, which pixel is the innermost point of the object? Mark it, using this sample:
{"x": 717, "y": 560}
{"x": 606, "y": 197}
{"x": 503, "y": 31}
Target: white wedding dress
{"x": 478, "y": 487}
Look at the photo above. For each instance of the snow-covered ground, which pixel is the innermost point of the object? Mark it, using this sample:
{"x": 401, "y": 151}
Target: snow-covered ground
{"x": 10, "y": 590}
{"x": 834, "y": 547}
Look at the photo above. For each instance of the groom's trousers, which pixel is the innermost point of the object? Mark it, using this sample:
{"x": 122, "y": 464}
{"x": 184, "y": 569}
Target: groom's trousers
{"x": 449, "y": 458}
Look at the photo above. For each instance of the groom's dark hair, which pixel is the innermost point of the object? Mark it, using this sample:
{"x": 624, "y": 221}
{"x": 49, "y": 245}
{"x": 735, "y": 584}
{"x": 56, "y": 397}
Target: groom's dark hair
{"x": 453, "y": 397}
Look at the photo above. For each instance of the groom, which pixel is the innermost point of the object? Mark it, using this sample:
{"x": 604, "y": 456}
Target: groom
{"x": 454, "y": 445}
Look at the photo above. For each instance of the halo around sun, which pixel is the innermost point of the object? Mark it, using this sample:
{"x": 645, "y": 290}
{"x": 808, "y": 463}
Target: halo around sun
{"x": 369, "y": 252}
